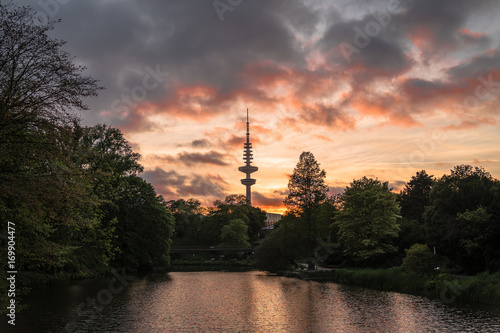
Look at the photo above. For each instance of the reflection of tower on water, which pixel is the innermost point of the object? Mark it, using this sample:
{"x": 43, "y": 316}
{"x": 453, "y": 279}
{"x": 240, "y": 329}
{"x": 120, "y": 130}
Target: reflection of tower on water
{"x": 248, "y": 169}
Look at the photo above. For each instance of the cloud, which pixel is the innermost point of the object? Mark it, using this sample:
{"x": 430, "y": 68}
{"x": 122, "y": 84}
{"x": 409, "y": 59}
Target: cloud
{"x": 335, "y": 190}
{"x": 173, "y": 185}
{"x": 211, "y": 158}
{"x": 397, "y": 185}
{"x": 259, "y": 199}
{"x": 472, "y": 123}
{"x": 203, "y": 143}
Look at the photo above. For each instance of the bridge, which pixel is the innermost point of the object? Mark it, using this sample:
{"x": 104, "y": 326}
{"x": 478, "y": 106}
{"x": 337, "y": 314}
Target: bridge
{"x": 210, "y": 249}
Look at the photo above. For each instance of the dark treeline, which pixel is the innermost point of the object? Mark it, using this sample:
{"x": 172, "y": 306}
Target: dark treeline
{"x": 369, "y": 226}
{"x": 73, "y": 192}
{"x": 231, "y": 222}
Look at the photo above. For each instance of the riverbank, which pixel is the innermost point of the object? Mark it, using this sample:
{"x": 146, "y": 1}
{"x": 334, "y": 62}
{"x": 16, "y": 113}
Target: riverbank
{"x": 481, "y": 289}
{"x": 218, "y": 262}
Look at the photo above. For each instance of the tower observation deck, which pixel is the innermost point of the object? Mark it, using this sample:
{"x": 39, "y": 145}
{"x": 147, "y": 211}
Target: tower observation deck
{"x": 248, "y": 169}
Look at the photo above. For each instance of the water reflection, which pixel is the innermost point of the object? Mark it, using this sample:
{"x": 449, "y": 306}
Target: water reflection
{"x": 246, "y": 302}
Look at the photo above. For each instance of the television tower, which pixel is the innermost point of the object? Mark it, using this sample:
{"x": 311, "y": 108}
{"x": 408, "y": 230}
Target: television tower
{"x": 248, "y": 168}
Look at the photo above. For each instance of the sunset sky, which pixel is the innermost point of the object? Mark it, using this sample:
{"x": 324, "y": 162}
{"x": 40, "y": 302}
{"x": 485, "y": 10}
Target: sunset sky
{"x": 372, "y": 88}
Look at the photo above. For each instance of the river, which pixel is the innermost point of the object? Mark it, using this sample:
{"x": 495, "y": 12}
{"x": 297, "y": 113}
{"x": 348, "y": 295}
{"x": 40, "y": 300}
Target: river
{"x": 214, "y": 301}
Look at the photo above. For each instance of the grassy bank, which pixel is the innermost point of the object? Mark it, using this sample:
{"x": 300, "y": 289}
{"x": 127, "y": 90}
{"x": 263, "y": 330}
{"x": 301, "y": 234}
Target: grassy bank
{"x": 218, "y": 262}
{"x": 483, "y": 288}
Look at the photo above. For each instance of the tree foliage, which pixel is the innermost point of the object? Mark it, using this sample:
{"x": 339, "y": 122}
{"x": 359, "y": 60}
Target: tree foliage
{"x": 73, "y": 192}
{"x": 367, "y": 221}
{"x": 306, "y": 185}
{"x": 307, "y": 192}
{"x": 39, "y": 83}
{"x": 235, "y": 234}
{"x": 416, "y": 196}
{"x": 460, "y": 205}
{"x": 419, "y": 259}
{"x": 271, "y": 253}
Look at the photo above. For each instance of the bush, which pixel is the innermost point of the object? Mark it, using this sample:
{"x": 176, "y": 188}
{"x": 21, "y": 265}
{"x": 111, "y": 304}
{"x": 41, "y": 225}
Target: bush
{"x": 419, "y": 259}
{"x": 269, "y": 254}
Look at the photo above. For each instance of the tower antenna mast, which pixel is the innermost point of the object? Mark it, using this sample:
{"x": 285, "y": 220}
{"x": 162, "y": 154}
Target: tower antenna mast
{"x": 248, "y": 169}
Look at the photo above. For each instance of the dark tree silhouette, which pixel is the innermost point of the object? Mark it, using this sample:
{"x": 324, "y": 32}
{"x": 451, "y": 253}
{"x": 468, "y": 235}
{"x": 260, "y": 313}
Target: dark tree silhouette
{"x": 307, "y": 192}
{"x": 415, "y": 196}
{"x": 306, "y": 185}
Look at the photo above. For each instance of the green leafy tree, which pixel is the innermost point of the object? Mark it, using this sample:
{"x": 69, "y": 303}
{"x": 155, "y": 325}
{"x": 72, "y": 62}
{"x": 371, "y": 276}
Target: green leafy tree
{"x": 144, "y": 228}
{"x": 235, "y": 234}
{"x": 419, "y": 259}
{"x": 466, "y": 188}
{"x": 236, "y": 207}
{"x": 42, "y": 191}
{"x": 189, "y": 221}
{"x": 142, "y": 224}
{"x": 367, "y": 221}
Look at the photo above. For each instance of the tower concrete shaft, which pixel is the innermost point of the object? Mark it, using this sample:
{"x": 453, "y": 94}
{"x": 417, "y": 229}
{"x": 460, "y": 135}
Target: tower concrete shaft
{"x": 248, "y": 169}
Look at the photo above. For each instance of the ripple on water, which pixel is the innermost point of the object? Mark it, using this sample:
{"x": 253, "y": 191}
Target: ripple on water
{"x": 250, "y": 302}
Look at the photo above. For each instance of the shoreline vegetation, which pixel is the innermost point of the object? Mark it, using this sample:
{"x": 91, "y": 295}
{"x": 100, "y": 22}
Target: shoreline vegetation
{"x": 483, "y": 288}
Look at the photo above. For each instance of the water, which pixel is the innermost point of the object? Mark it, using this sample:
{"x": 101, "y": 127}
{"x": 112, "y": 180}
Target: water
{"x": 241, "y": 302}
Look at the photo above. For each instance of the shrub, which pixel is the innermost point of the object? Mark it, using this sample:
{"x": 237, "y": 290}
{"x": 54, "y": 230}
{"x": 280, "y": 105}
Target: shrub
{"x": 419, "y": 259}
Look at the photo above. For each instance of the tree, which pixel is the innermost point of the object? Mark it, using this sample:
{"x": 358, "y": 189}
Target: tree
{"x": 465, "y": 189}
{"x": 306, "y": 185}
{"x": 188, "y": 215}
{"x": 236, "y": 207}
{"x": 235, "y": 234}
{"x": 416, "y": 196}
{"x": 419, "y": 259}
{"x": 478, "y": 234}
{"x": 367, "y": 221}
{"x": 39, "y": 83}
{"x": 413, "y": 200}
{"x": 270, "y": 254}
{"x": 41, "y": 189}
{"x": 307, "y": 192}
{"x": 142, "y": 225}
{"x": 144, "y": 228}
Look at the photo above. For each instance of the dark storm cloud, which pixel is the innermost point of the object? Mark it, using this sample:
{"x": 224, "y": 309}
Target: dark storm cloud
{"x": 439, "y": 24}
{"x": 444, "y": 18}
{"x": 212, "y": 63}
{"x": 479, "y": 65}
{"x": 173, "y": 185}
{"x": 382, "y": 54}
{"x": 117, "y": 40}
{"x": 421, "y": 90}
